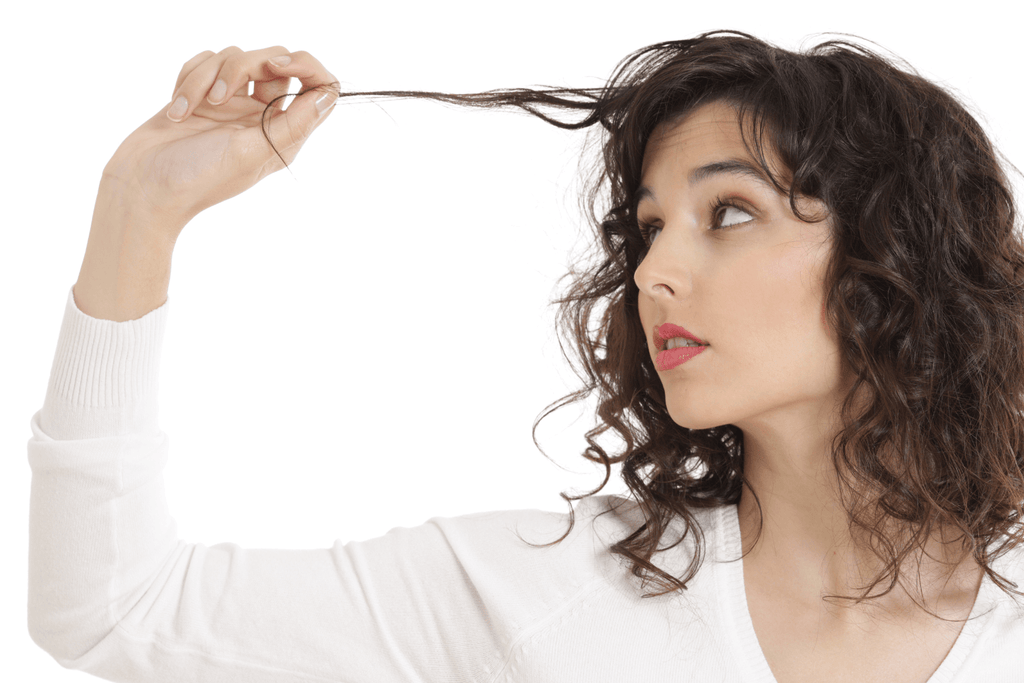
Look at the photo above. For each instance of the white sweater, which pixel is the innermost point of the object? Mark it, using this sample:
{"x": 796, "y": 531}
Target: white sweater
{"x": 114, "y": 592}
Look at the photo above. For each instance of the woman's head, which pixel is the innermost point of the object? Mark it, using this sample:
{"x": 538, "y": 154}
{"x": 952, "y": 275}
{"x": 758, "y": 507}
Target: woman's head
{"x": 880, "y": 266}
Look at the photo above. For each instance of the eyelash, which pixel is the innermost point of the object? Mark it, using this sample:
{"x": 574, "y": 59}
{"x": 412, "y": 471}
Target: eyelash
{"x": 714, "y": 209}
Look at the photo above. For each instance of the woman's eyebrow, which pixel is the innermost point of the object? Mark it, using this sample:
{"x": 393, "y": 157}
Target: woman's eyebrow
{"x": 739, "y": 167}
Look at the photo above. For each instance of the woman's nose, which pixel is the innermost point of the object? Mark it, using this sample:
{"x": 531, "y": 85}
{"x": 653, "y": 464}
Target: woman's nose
{"x": 659, "y": 275}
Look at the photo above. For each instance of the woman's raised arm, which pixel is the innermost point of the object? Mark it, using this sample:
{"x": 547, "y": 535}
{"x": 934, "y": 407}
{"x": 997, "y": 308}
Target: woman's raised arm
{"x": 115, "y": 592}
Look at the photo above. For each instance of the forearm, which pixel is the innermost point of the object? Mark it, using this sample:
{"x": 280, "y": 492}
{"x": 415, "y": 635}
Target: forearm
{"x": 99, "y": 526}
{"x": 127, "y": 266}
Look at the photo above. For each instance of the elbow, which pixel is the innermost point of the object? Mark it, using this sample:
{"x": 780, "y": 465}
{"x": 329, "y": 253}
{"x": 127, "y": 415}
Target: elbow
{"x": 64, "y": 636}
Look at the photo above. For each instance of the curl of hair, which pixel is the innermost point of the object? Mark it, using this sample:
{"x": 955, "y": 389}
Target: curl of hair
{"x": 924, "y": 289}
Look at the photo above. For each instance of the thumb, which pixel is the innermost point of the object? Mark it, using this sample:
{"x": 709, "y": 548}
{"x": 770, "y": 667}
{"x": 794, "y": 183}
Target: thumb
{"x": 291, "y": 129}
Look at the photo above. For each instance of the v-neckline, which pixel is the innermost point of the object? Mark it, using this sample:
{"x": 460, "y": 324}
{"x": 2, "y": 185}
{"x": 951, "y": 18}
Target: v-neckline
{"x": 737, "y": 611}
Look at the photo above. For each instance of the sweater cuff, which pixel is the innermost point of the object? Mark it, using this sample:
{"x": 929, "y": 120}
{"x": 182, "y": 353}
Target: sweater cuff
{"x": 105, "y": 376}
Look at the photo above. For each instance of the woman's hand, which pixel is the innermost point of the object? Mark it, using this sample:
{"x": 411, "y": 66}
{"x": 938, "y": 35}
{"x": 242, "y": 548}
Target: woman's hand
{"x": 218, "y": 150}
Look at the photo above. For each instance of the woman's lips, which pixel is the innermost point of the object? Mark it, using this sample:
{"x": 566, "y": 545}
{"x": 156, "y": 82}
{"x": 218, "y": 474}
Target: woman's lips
{"x": 666, "y": 331}
{"x": 666, "y": 360}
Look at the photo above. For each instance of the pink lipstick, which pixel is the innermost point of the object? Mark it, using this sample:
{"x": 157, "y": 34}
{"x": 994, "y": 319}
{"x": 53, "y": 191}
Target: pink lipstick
{"x": 668, "y": 359}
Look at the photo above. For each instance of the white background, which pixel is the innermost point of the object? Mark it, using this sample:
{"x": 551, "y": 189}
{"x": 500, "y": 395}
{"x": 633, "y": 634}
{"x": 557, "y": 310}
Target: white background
{"x": 292, "y": 422}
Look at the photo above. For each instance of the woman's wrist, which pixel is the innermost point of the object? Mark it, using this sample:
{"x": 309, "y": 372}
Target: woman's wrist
{"x": 127, "y": 266}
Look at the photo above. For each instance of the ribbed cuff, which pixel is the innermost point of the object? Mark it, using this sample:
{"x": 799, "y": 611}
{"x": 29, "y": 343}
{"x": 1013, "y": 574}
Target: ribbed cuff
{"x": 104, "y": 380}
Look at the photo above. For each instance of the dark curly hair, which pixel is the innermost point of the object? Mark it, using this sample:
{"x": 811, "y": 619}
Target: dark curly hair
{"x": 924, "y": 290}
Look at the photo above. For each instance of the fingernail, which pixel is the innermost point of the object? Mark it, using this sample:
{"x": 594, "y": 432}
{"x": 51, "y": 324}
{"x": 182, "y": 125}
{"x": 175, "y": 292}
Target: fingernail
{"x": 177, "y": 111}
{"x": 325, "y": 102}
{"x": 283, "y": 60}
{"x": 219, "y": 90}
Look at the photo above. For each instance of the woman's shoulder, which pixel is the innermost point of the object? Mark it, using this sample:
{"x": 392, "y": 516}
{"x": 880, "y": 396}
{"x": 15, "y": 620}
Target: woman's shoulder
{"x": 537, "y": 548}
{"x": 597, "y": 522}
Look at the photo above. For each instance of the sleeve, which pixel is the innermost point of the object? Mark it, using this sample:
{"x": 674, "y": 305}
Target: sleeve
{"x": 115, "y": 593}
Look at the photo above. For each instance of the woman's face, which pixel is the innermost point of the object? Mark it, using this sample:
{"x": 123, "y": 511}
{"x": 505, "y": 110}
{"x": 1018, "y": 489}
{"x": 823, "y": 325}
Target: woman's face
{"x": 748, "y": 281}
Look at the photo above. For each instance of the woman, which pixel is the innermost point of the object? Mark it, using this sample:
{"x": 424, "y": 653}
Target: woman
{"x": 834, "y": 237}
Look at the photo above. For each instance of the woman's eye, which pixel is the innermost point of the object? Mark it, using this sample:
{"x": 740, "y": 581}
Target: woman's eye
{"x": 721, "y": 218}
{"x": 725, "y": 221}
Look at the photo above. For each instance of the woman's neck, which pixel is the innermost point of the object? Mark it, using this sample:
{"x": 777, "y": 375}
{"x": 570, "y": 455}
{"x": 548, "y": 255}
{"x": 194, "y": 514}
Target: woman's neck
{"x": 807, "y": 551}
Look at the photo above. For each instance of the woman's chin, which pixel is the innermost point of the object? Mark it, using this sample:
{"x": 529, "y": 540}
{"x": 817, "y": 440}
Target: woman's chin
{"x": 684, "y": 414}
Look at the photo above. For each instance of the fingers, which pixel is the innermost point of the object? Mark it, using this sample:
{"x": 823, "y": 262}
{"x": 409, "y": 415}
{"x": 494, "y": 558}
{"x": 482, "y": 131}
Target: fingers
{"x": 210, "y": 80}
{"x": 229, "y": 71}
{"x": 188, "y": 67}
{"x": 321, "y": 91}
{"x": 307, "y": 69}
